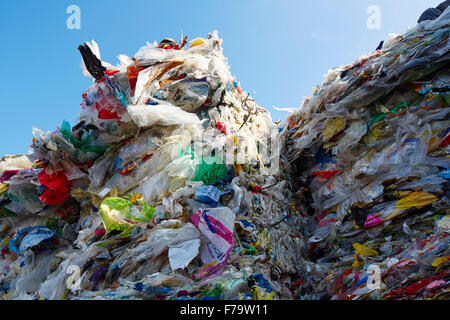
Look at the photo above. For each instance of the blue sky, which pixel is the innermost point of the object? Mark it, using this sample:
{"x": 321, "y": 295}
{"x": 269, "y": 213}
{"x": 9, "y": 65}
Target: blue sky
{"x": 278, "y": 49}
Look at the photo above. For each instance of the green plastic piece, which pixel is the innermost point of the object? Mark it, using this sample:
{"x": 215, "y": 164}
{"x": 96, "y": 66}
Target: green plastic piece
{"x": 209, "y": 171}
{"x": 121, "y": 214}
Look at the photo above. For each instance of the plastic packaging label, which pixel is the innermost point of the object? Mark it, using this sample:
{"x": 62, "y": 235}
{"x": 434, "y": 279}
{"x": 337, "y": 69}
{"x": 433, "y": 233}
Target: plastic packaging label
{"x": 208, "y": 194}
{"x": 217, "y": 225}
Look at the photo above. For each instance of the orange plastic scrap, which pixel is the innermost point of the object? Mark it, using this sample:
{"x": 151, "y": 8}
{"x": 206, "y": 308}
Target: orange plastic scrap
{"x": 173, "y": 78}
{"x": 132, "y": 75}
{"x": 155, "y": 72}
{"x": 166, "y": 66}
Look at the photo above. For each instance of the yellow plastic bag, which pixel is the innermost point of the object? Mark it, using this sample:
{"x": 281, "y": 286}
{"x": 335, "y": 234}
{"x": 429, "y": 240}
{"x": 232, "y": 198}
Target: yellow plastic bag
{"x": 375, "y": 133}
{"x": 364, "y": 251}
{"x": 333, "y": 126}
{"x": 258, "y": 295}
{"x": 3, "y": 188}
{"x": 440, "y": 261}
{"x": 416, "y": 199}
{"x": 195, "y": 42}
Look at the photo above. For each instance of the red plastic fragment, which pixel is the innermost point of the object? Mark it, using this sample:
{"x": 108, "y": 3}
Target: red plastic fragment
{"x": 57, "y": 187}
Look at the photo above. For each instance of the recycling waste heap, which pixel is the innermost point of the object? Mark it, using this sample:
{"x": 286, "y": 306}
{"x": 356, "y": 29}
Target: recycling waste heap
{"x": 349, "y": 199}
{"x": 136, "y": 200}
{"x": 369, "y": 157}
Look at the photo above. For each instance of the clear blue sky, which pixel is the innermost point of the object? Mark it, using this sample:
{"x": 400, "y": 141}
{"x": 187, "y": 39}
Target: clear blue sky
{"x": 278, "y": 49}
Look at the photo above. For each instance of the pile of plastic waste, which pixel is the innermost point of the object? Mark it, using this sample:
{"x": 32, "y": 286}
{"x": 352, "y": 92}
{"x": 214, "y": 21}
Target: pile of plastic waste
{"x": 175, "y": 185}
{"x": 368, "y": 154}
{"x": 166, "y": 188}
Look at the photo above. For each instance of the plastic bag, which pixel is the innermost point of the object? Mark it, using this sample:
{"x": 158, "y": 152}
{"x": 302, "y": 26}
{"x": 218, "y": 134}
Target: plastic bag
{"x": 121, "y": 214}
{"x": 163, "y": 114}
{"x": 217, "y": 225}
{"x": 56, "y": 187}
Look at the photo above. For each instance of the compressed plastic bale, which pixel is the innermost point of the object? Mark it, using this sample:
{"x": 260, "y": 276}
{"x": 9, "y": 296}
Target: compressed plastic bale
{"x": 123, "y": 159}
{"x": 383, "y": 180}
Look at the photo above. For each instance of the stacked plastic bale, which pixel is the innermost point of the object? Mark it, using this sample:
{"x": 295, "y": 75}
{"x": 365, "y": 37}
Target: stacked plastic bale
{"x": 368, "y": 154}
{"x": 166, "y": 188}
